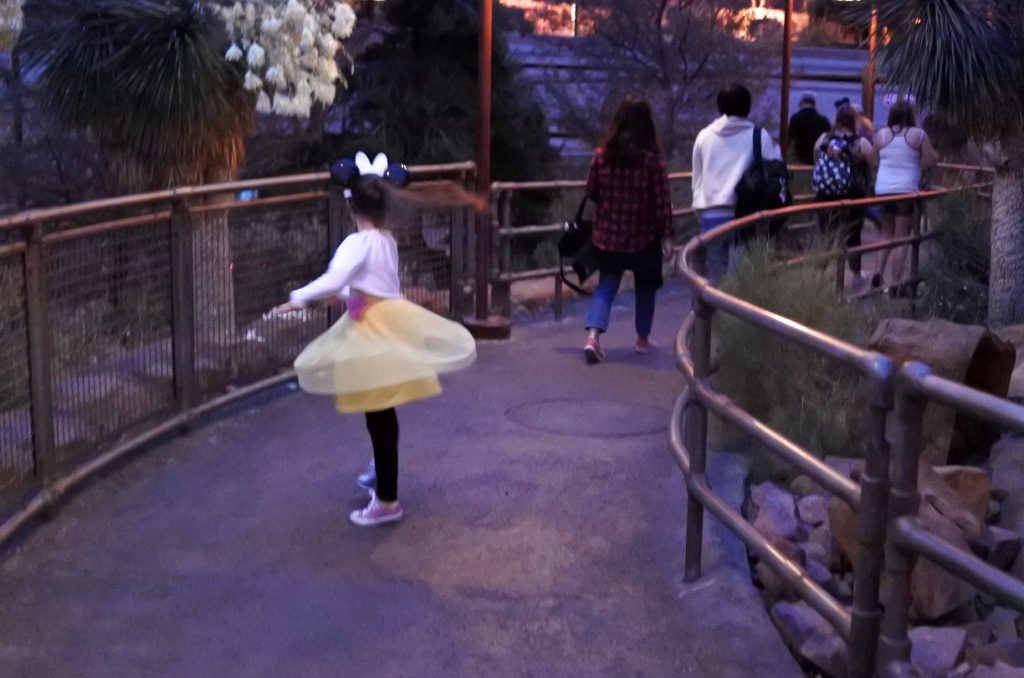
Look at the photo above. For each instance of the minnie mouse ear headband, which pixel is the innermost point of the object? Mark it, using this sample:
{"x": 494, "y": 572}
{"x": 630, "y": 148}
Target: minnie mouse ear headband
{"x": 346, "y": 172}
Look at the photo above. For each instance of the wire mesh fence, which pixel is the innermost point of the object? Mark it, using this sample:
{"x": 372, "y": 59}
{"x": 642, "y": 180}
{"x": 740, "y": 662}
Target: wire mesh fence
{"x": 120, "y": 317}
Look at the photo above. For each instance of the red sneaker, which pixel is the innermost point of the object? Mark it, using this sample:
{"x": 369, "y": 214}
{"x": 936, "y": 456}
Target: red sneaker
{"x": 592, "y": 352}
{"x": 645, "y": 345}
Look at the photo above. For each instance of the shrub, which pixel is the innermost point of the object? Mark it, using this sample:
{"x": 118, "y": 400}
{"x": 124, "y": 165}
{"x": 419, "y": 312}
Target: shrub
{"x": 810, "y": 399}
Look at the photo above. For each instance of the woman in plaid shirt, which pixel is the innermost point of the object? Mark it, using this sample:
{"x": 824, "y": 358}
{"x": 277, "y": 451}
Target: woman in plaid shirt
{"x": 628, "y": 182}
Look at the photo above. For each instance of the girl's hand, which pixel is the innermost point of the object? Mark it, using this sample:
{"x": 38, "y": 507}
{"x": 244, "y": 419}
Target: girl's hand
{"x": 668, "y": 249}
{"x": 288, "y": 307}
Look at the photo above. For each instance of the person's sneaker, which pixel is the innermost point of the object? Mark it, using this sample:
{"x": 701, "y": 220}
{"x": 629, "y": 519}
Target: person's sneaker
{"x": 592, "y": 351}
{"x": 377, "y": 513}
{"x": 368, "y": 478}
{"x": 645, "y": 346}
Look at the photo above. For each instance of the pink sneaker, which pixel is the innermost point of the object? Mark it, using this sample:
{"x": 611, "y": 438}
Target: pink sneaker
{"x": 377, "y": 513}
{"x": 592, "y": 351}
{"x": 645, "y": 345}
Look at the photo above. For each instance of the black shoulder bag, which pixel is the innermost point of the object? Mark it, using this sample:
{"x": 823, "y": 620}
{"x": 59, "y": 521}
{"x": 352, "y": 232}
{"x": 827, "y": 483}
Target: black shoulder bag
{"x": 576, "y": 244}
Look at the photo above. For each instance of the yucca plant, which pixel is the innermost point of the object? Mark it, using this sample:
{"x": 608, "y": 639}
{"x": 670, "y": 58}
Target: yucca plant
{"x": 964, "y": 60}
{"x": 148, "y": 80}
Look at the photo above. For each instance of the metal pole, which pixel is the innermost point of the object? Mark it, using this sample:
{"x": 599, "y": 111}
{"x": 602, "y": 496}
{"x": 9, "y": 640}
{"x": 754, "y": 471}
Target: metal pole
{"x": 40, "y": 354}
{"x": 869, "y": 72}
{"x": 894, "y": 644}
{"x": 787, "y": 84}
{"x": 866, "y": 614}
{"x": 483, "y": 164}
{"x": 695, "y": 433}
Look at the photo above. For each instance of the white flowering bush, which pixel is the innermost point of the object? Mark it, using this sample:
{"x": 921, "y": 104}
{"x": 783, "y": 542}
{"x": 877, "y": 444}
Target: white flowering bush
{"x": 10, "y": 22}
{"x": 290, "y": 51}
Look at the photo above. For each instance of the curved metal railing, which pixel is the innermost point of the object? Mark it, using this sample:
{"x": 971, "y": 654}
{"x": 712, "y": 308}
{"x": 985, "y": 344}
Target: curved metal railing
{"x": 887, "y": 522}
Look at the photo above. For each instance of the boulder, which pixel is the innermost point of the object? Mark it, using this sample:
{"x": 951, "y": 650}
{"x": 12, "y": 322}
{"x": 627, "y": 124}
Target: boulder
{"x": 936, "y": 650}
{"x": 995, "y": 509}
{"x": 843, "y": 522}
{"x": 1006, "y": 651}
{"x": 1008, "y": 487}
{"x": 935, "y": 592}
{"x": 850, "y": 467}
{"x": 821, "y": 538}
{"x": 979, "y": 633}
{"x": 813, "y": 550}
{"x": 947, "y": 501}
{"x": 1015, "y": 335}
{"x": 771, "y": 583}
{"x": 1003, "y": 623}
{"x": 776, "y": 512}
{"x": 998, "y": 546}
{"x": 1000, "y": 670}
{"x": 972, "y": 484}
{"x": 818, "y": 572}
{"x": 813, "y": 509}
{"x": 802, "y": 485}
{"x": 810, "y": 636}
{"x": 966, "y": 354}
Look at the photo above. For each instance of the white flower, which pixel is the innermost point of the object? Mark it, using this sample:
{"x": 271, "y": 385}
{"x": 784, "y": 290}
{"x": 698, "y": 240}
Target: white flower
{"x": 256, "y": 55}
{"x": 234, "y": 53}
{"x": 325, "y": 93}
{"x": 308, "y": 40}
{"x": 252, "y": 81}
{"x": 271, "y": 25}
{"x": 275, "y": 76}
{"x": 344, "y": 20}
{"x": 309, "y": 60}
{"x": 327, "y": 69}
{"x": 295, "y": 12}
{"x": 263, "y": 103}
{"x": 250, "y": 13}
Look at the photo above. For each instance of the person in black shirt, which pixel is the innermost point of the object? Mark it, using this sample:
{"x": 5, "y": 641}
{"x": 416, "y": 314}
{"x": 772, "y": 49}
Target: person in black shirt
{"x": 805, "y": 127}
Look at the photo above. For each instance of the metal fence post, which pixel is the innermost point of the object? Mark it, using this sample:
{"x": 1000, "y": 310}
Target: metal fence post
{"x": 871, "y": 526}
{"x": 695, "y": 432}
{"x": 894, "y": 644}
{"x": 40, "y": 354}
{"x": 183, "y": 330}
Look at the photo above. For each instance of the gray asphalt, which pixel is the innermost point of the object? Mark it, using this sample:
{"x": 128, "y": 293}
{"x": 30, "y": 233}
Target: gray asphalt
{"x": 543, "y": 537}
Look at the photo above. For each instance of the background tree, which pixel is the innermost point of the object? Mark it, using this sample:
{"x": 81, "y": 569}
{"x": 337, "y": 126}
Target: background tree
{"x": 964, "y": 61}
{"x": 677, "y": 54}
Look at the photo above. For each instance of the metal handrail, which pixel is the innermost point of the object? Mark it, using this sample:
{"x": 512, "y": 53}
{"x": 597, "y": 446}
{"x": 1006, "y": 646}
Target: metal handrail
{"x": 171, "y": 207}
{"x": 885, "y": 517}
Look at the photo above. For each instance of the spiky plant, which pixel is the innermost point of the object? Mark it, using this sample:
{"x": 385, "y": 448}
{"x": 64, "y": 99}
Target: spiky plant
{"x": 149, "y": 81}
{"x": 964, "y": 60}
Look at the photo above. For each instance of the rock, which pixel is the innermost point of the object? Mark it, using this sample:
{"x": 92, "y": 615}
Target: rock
{"x": 936, "y": 650}
{"x": 843, "y": 523}
{"x": 771, "y": 582}
{"x": 802, "y": 485}
{"x": 935, "y": 592}
{"x": 818, "y": 572}
{"x": 947, "y": 501}
{"x": 1007, "y": 651}
{"x": 821, "y": 537}
{"x": 776, "y": 512}
{"x": 1000, "y": 670}
{"x": 826, "y": 652}
{"x": 841, "y": 589}
{"x": 978, "y": 634}
{"x": 813, "y": 509}
{"x": 1003, "y": 623}
{"x": 965, "y": 354}
{"x": 850, "y": 467}
{"x": 813, "y": 550}
{"x": 994, "y": 509}
{"x": 972, "y": 484}
{"x": 1008, "y": 487}
{"x": 998, "y": 546}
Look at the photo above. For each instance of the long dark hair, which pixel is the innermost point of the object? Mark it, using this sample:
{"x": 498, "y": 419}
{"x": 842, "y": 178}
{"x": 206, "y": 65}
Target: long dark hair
{"x": 373, "y": 198}
{"x": 631, "y": 133}
{"x": 902, "y": 114}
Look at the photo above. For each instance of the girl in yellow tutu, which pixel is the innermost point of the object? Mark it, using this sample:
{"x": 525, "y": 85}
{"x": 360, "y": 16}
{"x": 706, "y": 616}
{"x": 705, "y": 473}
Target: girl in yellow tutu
{"x": 384, "y": 351}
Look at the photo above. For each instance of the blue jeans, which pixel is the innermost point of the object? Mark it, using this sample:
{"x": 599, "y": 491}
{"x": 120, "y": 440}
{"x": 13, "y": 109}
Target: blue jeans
{"x": 718, "y": 253}
{"x": 601, "y": 304}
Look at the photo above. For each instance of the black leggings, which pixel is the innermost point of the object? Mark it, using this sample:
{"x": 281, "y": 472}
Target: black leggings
{"x": 383, "y": 428}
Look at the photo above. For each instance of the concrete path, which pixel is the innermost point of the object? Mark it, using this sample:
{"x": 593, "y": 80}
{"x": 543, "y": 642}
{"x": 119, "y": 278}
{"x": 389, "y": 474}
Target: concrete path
{"x": 544, "y": 537}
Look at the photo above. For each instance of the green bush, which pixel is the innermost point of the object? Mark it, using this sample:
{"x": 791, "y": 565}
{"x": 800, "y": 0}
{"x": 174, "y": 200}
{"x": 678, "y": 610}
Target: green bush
{"x": 810, "y": 399}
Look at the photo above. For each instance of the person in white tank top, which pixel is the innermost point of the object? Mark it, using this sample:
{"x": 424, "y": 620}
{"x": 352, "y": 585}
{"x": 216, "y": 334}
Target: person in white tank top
{"x": 901, "y": 151}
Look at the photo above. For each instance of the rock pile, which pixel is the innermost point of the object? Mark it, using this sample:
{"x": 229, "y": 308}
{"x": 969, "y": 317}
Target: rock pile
{"x": 957, "y": 631}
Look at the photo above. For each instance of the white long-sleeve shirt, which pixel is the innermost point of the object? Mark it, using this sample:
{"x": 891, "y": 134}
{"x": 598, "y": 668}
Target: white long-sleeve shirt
{"x": 722, "y": 152}
{"x": 366, "y": 261}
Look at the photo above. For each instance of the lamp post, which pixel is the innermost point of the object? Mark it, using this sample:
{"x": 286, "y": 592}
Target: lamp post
{"x": 481, "y": 324}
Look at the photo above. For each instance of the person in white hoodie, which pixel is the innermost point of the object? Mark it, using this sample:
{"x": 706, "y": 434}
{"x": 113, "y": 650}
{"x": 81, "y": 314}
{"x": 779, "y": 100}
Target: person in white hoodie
{"x": 721, "y": 154}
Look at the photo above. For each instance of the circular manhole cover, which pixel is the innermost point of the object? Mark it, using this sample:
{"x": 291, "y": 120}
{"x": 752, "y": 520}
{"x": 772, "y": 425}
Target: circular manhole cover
{"x": 591, "y": 418}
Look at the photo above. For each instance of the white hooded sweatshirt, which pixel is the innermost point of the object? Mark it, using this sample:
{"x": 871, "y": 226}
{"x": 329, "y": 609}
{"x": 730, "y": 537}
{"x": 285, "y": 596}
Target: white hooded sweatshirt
{"x": 721, "y": 154}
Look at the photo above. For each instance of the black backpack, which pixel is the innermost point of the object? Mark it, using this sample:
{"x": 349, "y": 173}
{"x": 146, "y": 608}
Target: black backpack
{"x": 764, "y": 186}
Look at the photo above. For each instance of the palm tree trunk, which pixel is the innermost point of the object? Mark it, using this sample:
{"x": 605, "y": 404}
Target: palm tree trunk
{"x": 1006, "y": 280}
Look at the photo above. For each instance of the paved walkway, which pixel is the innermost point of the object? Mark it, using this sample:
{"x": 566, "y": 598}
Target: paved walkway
{"x": 544, "y": 537}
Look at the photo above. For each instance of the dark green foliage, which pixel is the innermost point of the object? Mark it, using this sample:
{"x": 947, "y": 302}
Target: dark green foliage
{"x": 415, "y": 95}
{"x": 964, "y": 59}
{"x": 148, "y": 79}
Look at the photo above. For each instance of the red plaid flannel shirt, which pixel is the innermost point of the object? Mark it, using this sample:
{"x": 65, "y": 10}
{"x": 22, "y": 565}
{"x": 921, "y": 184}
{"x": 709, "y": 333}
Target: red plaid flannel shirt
{"x": 634, "y": 206}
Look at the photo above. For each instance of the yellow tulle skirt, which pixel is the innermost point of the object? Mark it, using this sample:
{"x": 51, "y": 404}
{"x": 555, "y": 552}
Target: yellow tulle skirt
{"x": 390, "y": 356}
